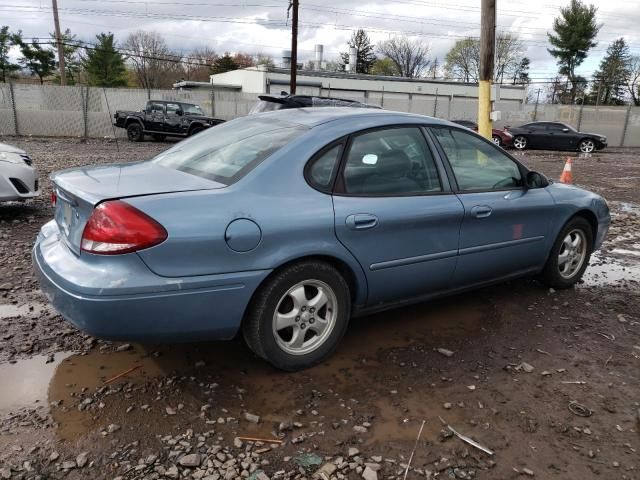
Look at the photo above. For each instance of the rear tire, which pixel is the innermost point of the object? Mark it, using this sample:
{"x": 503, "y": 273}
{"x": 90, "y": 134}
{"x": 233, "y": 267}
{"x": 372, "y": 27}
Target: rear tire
{"x": 135, "y": 132}
{"x": 497, "y": 140}
{"x": 520, "y": 142}
{"x": 284, "y": 327}
{"x": 569, "y": 255}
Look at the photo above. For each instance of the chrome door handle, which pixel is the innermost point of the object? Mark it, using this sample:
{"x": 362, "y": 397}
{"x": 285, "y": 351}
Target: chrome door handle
{"x": 361, "y": 221}
{"x": 481, "y": 211}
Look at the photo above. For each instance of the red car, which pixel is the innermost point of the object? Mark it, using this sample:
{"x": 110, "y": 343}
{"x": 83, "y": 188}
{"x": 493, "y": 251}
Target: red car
{"x": 499, "y": 137}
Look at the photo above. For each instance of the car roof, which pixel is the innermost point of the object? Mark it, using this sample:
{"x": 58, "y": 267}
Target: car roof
{"x": 311, "y": 117}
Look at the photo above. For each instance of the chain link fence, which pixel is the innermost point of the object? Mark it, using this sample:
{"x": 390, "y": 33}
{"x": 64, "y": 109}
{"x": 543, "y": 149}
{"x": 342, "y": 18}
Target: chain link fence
{"x": 80, "y": 111}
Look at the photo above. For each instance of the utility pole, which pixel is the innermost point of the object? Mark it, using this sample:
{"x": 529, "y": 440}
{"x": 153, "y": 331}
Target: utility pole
{"x": 56, "y": 21}
{"x": 487, "y": 55}
{"x": 293, "y": 4}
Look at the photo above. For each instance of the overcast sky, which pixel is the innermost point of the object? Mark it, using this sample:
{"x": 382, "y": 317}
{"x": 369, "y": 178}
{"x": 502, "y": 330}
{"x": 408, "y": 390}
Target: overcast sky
{"x": 259, "y": 26}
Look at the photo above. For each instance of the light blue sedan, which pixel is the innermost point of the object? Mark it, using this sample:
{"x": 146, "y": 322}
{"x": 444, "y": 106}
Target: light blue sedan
{"x": 286, "y": 224}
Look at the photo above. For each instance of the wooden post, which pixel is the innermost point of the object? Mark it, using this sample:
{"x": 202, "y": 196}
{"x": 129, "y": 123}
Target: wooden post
{"x": 487, "y": 54}
{"x": 56, "y": 22}
{"x": 294, "y": 46}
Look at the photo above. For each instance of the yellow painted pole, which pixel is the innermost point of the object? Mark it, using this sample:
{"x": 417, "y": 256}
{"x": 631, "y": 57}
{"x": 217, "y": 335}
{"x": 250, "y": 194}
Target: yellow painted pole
{"x": 484, "y": 109}
{"x": 487, "y": 58}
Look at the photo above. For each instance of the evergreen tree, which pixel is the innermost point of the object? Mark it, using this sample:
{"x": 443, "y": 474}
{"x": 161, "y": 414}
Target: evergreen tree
{"x": 39, "y": 61}
{"x": 104, "y": 63}
{"x": 610, "y": 80}
{"x": 223, "y": 64}
{"x": 574, "y": 35}
{"x": 365, "y": 52}
{"x": 521, "y": 72}
{"x": 7, "y": 40}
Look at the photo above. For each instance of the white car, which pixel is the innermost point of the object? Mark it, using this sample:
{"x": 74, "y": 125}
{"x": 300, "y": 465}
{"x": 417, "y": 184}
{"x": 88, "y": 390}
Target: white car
{"x": 18, "y": 178}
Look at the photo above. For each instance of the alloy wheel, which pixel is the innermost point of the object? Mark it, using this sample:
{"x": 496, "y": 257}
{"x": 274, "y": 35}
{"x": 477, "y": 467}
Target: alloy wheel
{"x": 520, "y": 143}
{"x": 572, "y": 254}
{"x": 587, "y": 146}
{"x": 496, "y": 140}
{"x": 305, "y": 317}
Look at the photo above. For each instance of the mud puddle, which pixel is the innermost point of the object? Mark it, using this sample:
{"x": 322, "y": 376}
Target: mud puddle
{"x": 229, "y": 378}
{"x": 25, "y": 383}
{"x": 619, "y": 268}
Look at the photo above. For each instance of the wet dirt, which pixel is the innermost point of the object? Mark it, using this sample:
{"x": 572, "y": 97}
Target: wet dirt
{"x": 387, "y": 374}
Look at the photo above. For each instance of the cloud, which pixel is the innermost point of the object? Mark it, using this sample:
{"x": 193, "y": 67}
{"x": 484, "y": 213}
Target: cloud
{"x": 261, "y": 26}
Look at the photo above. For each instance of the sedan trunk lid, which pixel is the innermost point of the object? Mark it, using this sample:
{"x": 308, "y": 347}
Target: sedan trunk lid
{"x": 79, "y": 190}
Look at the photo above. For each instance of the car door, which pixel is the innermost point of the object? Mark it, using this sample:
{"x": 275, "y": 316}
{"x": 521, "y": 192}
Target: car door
{"x": 560, "y": 137}
{"x": 395, "y": 212}
{"x": 537, "y": 135}
{"x": 505, "y": 227}
{"x": 172, "y": 118}
{"x": 156, "y": 117}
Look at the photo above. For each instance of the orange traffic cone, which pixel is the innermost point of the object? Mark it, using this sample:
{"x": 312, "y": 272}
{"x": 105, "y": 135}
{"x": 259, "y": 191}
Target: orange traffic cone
{"x": 566, "y": 176}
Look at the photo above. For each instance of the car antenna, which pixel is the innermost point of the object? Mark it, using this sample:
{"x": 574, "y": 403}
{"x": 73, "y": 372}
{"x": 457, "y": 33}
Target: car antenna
{"x": 112, "y": 127}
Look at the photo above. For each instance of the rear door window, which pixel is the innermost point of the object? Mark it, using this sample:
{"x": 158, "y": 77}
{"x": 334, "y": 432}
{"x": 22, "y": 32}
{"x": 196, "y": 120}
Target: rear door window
{"x": 390, "y": 162}
{"x": 226, "y": 153}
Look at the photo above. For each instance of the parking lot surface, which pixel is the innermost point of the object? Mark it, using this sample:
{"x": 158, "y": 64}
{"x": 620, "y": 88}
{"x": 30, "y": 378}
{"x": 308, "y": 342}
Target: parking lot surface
{"x": 545, "y": 380}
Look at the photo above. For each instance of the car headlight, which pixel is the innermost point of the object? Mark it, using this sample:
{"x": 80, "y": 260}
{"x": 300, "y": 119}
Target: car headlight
{"x": 10, "y": 157}
{"x": 507, "y": 134}
{"x": 603, "y": 139}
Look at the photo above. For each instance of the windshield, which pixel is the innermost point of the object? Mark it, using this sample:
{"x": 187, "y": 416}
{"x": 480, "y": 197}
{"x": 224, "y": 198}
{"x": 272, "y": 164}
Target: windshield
{"x": 228, "y": 151}
{"x": 192, "y": 109}
{"x": 264, "y": 106}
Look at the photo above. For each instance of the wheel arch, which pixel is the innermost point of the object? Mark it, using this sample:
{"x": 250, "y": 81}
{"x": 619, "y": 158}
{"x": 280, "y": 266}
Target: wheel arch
{"x": 195, "y": 125}
{"x": 131, "y": 120}
{"x": 590, "y": 217}
{"x": 356, "y": 283}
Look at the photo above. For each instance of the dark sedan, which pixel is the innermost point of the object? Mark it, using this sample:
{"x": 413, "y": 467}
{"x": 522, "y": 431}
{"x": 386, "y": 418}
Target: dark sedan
{"x": 499, "y": 137}
{"x": 556, "y": 136}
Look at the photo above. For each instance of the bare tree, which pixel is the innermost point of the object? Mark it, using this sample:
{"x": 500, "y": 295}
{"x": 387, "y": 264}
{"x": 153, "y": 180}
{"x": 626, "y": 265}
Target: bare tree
{"x": 463, "y": 60}
{"x": 153, "y": 63}
{"x": 633, "y": 80}
{"x": 509, "y": 55}
{"x": 197, "y": 64}
{"x": 410, "y": 57}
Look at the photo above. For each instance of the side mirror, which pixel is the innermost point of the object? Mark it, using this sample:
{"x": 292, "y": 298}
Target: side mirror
{"x": 565, "y": 130}
{"x": 536, "y": 180}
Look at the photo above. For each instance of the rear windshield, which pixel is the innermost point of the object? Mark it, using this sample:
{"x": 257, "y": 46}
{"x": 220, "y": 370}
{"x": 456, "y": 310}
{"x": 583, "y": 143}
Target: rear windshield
{"x": 226, "y": 152}
{"x": 265, "y": 106}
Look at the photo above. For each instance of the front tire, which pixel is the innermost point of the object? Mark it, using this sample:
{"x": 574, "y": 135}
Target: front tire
{"x": 587, "y": 145}
{"x": 135, "y": 132}
{"x": 569, "y": 255}
{"x": 520, "y": 142}
{"x": 196, "y": 130}
{"x": 298, "y": 317}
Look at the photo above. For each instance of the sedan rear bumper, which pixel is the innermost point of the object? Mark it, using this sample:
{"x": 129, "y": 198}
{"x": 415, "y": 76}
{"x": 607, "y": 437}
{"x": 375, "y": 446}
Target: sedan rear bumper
{"x": 144, "y": 307}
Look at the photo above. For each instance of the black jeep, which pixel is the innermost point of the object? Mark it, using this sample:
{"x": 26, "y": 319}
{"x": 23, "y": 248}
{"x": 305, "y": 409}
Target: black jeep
{"x": 164, "y": 118}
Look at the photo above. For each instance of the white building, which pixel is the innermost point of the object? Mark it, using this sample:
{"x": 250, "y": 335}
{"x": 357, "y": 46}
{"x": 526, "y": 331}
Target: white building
{"x": 368, "y": 88}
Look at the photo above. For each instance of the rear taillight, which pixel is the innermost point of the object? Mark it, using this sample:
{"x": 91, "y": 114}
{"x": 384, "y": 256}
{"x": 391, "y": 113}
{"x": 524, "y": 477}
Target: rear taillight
{"x": 116, "y": 227}
{"x": 54, "y": 199}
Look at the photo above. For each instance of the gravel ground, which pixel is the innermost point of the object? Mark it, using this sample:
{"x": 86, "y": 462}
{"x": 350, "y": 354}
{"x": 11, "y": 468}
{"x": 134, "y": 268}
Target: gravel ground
{"x": 547, "y": 381}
